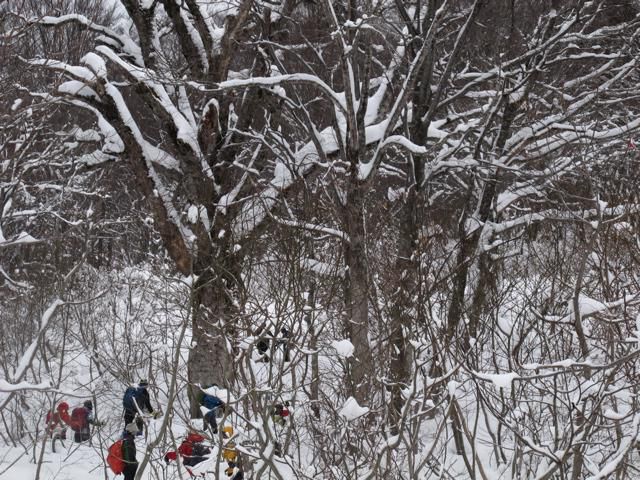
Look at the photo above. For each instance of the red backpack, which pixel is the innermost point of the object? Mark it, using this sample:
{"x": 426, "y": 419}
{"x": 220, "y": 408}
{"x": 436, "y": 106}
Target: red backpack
{"x": 79, "y": 419}
{"x": 114, "y": 458}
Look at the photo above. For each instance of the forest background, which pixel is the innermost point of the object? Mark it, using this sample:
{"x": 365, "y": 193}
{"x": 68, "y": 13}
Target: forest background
{"x": 431, "y": 205}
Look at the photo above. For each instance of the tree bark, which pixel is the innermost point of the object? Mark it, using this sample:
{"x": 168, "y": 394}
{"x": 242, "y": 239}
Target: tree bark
{"x": 357, "y": 295}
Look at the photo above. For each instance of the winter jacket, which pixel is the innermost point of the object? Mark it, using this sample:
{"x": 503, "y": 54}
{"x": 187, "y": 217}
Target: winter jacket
{"x": 143, "y": 400}
{"x": 191, "y": 450}
{"x": 129, "y": 449}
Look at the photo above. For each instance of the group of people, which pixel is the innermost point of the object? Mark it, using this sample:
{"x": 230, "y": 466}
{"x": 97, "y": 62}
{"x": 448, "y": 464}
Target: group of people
{"x": 136, "y": 405}
{"x": 193, "y": 451}
{"x": 79, "y": 420}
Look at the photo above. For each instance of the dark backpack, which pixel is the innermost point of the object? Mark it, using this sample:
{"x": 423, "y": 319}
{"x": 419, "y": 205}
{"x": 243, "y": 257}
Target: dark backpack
{"x": 211, "y": 401}
{"x": 200, "y": 450}
{"x": 79, "y": 419}
{"x": 132, "y": 396}
{"x": 198, "y": 454}
{"x": 114, "y": 459}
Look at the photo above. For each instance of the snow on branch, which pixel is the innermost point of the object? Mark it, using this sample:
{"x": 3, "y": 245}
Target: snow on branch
{"x": 8, "y": 387}
{"x": 405, "y": 143}
{"x": 499, "y": 380}
{"x": 150, "y": 152}
{"x": 23, "y": 238}
{"x": 589, "y": 307}
{"x": 322, "y": 269}
{"x": 255, "y": 211}
{"x": 491, "y": 229}
{"x": 11, "y": 282}
{"x": 16, "y": 381}
{"x": 79, "y": 19}
{"x": 81, "y": 74}
{"x": 186, "y": 132}
{"x": 294, "y": 78}
{"x": 313, "y": 227}
{"x": 624, "y": 447}
{"x": 117, "y": 40}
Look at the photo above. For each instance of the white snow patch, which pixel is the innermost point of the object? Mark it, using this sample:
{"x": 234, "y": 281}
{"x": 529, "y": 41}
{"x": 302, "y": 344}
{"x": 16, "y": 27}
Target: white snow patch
{"x": 500, "y": 380}
{"x": 89, "y": 135}
{"x": 452, "y": 387}
{"x": 344, "y": 348}
{"x": 394, "y": 194}
{"x": 94, "y": 158}
{"x": 77, "y": 88}
{"x": 222, "y": 393}
{"x": 351, "y": 410}
{"x": 96, "y": 64}
{"x": 589, "y": 305}
{"x": 192, "y": 214}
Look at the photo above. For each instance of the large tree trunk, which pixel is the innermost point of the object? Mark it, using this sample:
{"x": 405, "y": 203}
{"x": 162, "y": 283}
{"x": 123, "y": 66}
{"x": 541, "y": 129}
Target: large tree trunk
{"x": 210, "y": 356}
{"x": 402, "y": 315}
{"x": 214, "y": 306}
{"x": 357, "y": 295}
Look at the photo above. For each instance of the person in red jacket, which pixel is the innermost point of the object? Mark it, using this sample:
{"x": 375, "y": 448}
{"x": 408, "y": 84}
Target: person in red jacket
{"x": 56, "y": 427}
{"x": 192, "y": 451}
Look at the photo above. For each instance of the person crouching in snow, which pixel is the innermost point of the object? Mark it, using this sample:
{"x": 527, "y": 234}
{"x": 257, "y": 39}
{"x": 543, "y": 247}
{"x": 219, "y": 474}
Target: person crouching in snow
{"x": 192, "y": 451}
{"x": 213, "y": 404}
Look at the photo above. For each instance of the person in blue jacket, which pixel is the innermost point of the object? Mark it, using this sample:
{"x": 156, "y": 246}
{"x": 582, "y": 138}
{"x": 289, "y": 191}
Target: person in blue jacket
{"x": 213, "y": 404}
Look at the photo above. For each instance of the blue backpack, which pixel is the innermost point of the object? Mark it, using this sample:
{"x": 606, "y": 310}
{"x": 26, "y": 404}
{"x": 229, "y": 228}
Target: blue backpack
{"x": 211, "y": 401}
{"x": 131, "y": 394}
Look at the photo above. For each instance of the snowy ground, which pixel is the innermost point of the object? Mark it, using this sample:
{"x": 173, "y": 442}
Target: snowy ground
{"x": 87, "y": 461}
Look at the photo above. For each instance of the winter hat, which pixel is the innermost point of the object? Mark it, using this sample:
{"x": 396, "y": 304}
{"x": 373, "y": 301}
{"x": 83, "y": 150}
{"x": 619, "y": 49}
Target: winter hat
{"x": 131, "y": 428}
{"x": 88, "y": 404}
